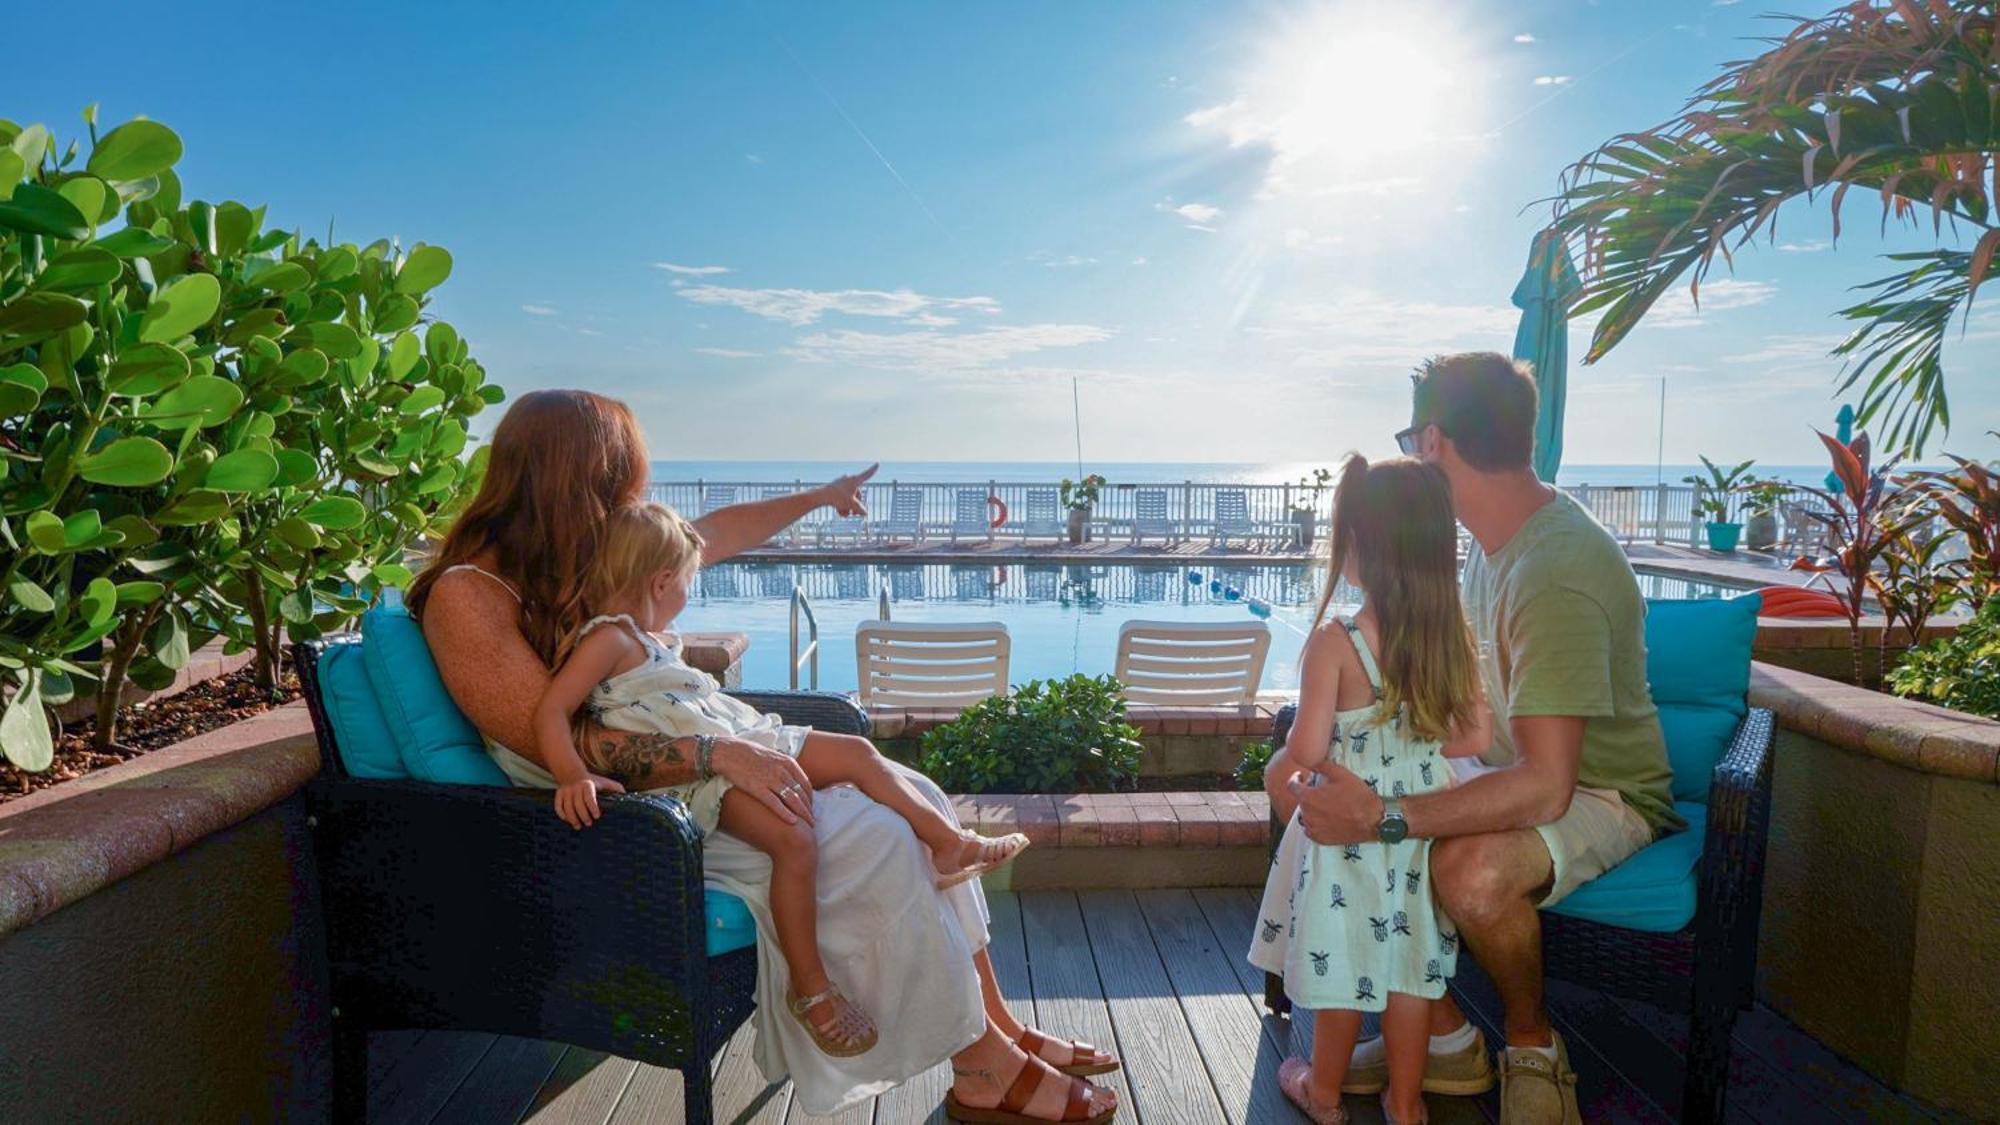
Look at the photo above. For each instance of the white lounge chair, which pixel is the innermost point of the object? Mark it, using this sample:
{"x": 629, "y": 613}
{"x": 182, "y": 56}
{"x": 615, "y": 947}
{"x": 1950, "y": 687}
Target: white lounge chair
{"x": 1232, "y": 517}
{"x": 1181, "y": 663}
{"x": 789, "y": 534}
{"x": 935, "y": 664}
{"x": 1042, "y": 516}
{"x": 970, "y": 516}
{"x": 717, "y": 496}
{"x": 1149, "y": 515}
{"x": 906, "y": 516}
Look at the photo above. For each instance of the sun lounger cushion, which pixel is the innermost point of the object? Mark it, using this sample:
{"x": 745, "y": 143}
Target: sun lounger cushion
{"x": 1698, "y": 666}
{"x": 434, "y": 739}
{"x": 360, "y": 729}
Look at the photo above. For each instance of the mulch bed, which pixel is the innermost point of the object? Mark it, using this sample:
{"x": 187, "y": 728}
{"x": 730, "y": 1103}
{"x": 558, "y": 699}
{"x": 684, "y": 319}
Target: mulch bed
{"x": 150, "y": 725}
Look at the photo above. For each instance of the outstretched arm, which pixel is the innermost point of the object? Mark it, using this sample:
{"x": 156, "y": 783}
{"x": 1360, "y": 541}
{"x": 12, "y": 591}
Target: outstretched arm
{"x": 731, "y": 531}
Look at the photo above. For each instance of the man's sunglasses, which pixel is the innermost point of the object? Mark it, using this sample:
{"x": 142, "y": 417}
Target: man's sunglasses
{"x": 1408, "y": 440}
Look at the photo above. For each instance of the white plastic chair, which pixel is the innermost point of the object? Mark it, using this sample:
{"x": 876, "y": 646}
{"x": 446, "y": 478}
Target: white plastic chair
{"x": 1232, "y": 517}
{"x": 930, "y": 664}
{"x": 1043, "y": 516}
{"x": 906, "y": 515}
{"x": 971, "y": 516}
{"x": 1149, "y": 515}
{"x": 1181, "y": 663}
{"x": 717, "y": 496}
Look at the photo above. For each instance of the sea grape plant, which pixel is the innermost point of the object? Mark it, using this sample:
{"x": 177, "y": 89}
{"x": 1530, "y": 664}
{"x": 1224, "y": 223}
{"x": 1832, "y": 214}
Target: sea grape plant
{"x": 207, "y": 427}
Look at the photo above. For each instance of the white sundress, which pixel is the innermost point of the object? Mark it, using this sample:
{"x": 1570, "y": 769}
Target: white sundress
{"x": 900, "y": 948}
{"x": 1347, "y": 925}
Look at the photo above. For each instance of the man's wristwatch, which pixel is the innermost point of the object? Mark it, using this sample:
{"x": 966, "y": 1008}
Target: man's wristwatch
{"x": 1392, "y": 829}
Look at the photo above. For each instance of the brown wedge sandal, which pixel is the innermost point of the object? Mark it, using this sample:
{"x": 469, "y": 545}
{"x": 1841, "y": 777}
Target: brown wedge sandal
{"x": 1293, "y": 1077}
{"x": 851, "y": 1032}
{"x": 1037, "y": 1044}
{"x": 1076, "y": 1111}
{"x": 1013, "y": 844}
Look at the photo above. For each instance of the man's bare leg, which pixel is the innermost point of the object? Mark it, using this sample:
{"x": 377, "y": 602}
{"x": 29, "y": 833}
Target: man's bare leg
{"x": 1489, "y": 885}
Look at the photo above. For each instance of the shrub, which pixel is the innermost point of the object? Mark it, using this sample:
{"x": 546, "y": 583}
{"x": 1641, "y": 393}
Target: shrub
{"x": 1250, "y": 771}
{"x": 1961, "y": 671}
{"x": 1053, "y": 736}
{"x": 206, "y": 427}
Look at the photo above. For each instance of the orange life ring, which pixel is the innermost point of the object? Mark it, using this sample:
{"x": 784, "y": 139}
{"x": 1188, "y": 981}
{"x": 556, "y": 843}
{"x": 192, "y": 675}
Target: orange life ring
{"x": 999, "y": 510}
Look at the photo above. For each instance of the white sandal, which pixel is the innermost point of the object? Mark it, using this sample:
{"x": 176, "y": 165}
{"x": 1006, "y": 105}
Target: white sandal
{"x": 1012, "y": 845}
{"x": 851, "y": 1032}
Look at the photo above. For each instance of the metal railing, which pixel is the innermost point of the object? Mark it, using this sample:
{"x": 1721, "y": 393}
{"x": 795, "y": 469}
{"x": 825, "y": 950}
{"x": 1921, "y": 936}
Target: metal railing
{"x": 809, "y": 657}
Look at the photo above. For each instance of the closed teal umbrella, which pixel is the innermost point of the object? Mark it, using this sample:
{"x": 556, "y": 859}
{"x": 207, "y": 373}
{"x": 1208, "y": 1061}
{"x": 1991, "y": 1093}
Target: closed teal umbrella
{"x": 1843, "y": 430}
{"x": 1544, "y": 296}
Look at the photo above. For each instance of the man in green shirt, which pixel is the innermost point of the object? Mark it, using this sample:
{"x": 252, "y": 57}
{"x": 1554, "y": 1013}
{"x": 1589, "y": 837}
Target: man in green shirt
{"x": 1577, "y": 778}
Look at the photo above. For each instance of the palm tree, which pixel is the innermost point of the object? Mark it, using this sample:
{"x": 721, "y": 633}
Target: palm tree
{"x": 1901, "y": 100}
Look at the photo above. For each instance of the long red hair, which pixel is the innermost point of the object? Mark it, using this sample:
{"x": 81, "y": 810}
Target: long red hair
{"x": 561, "y": 463}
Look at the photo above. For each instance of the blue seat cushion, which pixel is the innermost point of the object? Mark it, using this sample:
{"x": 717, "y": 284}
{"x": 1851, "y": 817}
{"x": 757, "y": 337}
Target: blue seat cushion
{"x": 360, "y": 730}
{"x": 730, "y": 926}
{"x": 1698, "y": 668}
{"x": 1654, "y": 890}
{"x": 435, "y": 741}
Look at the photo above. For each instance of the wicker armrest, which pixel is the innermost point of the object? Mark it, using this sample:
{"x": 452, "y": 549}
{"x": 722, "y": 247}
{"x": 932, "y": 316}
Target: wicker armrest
{"x": 477, "y": 908}
{"x": 1731, "y": 892}
{"x": 829, "y": 711}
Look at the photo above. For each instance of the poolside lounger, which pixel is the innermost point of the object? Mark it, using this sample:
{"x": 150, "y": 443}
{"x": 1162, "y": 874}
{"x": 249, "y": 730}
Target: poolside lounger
{"x": 1232, "y": 518}
{"x": 1149, "y": 515}
{"x": 790, "y": 532}
{"x": 855, "y": 528}
{"x": 717, "y": 496}
{"x": 934, "y": 664}
{"x": 906, "y": 516}
{"x": 1042, "y": 516}
{"x": 970, "y": 517}
{"x": 1182, "y": 663}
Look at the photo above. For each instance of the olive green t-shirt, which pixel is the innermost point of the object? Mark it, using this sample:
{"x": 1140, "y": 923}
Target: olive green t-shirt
{"x": 1561, "y": 631}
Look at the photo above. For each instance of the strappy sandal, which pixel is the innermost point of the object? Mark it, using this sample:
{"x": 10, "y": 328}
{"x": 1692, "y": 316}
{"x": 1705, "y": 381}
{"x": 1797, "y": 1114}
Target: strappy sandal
{"x": 1034, "y": 1042}
{"x": 1012, "y": 844}
{"x": 1076, "y": 1111}
{"x": 1391, "y": 1119}
{"x": 1293, "y": 1075}
{"x": 851, "y": 1033}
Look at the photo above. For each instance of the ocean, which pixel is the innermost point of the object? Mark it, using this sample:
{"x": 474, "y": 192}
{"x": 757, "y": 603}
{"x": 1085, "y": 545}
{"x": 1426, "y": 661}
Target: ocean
{"x": 1145, "y": 472}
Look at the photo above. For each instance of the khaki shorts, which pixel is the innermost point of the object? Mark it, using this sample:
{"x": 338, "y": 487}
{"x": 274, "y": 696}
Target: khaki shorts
{"x": 1599, "y": 832}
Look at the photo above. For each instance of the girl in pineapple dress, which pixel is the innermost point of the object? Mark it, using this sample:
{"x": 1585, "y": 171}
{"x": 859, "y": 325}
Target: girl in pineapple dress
{"x": 1353, "y": 928}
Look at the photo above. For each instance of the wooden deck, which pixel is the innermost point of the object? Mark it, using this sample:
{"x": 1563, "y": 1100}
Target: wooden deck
{"x": 1160, "y": 976}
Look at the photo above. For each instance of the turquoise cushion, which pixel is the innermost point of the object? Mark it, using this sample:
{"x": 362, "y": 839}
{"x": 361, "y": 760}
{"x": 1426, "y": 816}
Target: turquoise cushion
{"x": 730, "y": 926}
{"x": 360, "y": 731}
{"x": 1654, "y": 890}
{"x": 1698, "y": 667}
{"x": 435, "y": 741}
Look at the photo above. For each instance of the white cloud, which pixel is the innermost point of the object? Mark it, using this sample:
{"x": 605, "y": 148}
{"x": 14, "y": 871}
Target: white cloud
{"x": 1139, "y": 261}
{"x": 940, "y": 351}
{"x": 753, "y": 158}
{"x": 1524, "y": 37}
{"x": 539, "y": 310}
{"x": 728, "y": 353}
{"x": 1809, "y": 246}
{"x": 691, "y": 271}
{"x": 588, "y": 332}
{"x": 1553, "y": 80}
{"x": 805, "y": 306}
{"x": 1195, "y": 213}
{"x": 1790, "y": 350}
{"x": 1359, "y": 327}
{"x": 1062, "y": 262}
{"x": 1677, "y": 309}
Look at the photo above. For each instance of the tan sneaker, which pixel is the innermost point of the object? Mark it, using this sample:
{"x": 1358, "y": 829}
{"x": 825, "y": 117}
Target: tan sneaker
{"x": 1534, "y": 1091}
{"x": 1465, "y": 1073}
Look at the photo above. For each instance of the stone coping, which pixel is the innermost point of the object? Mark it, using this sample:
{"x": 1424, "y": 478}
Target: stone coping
{"x": 65, "y": 842}
{"x": 1903, "y": 732}
{"x": 1248, "y": 719}
{"x": 1106, "y": 820}
{"x": 1832, "y": 632}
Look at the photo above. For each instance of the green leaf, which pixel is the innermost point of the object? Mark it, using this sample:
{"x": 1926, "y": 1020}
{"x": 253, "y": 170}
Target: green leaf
{"x": 295, "y": 467}
{"x": 297, "y": 532}
{"x": 147, "y": 369}
{"x": 82, "y": 528}
{"x": 135, "y": 150}
{"x": 129, "y": 462}
{"x": 135, "y": 531}
{"x": 181, "y": 307}
{"x": 403, "y": 355}
{"x": 133, "y": 242}
{"x": 421, "y": 399}
{"x": 332, "y": 513}
{"x": 24, "y": 730}
{"x": 30, "y": 596}
{"x": 204, "y": 400}
{"x": 170, "y": 640}
{"x": 45, "y": 531}
{"x": 438, "y": 479}
{"x": 441, "y": 343}
{"x": 336, "y": 340}
{"x": 21, "y": 387}
{"x": 245, "y": 470}
{"x": 297, "y": 606}
{"x": 197, "y": 507}
{"x": 87, "y": 195}
{"x": 234, "y": 224}
{"x": 11, "y": 171}
{"x": 34, "y": 209}
{"x": 144, "y": 592}
{"x": 36, "y": 316}
{"x": 80, "y": 270}
{"x": 392, "y": 574}
{"x": 395, "y": 313}
{"x": 280, "y": 277}
{"x": 148, "y": 674}
{"x": 423, "y": 270}
{"x": 308, "y": 365}
{"x": 99, "y": 602}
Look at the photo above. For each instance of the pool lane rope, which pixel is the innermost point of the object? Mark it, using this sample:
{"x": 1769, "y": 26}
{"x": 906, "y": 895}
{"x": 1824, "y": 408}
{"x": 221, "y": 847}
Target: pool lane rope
{"x": 1258, "y": 607}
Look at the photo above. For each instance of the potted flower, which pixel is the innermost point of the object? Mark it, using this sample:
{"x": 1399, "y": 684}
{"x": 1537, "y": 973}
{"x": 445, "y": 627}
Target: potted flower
{"x": 1712, "y": 502}
{"x": 1079, "y": 497}
{"x": 1761, "y": 501}
{"x": 1306, "y": 509}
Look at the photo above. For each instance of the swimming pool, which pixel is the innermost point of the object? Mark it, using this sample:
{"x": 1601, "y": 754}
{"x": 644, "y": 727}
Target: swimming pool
{"x": 1063, "y": 618}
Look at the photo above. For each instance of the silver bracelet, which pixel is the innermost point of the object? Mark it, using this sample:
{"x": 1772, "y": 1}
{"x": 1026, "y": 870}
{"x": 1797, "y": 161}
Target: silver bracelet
{"x": 704, "y": 753}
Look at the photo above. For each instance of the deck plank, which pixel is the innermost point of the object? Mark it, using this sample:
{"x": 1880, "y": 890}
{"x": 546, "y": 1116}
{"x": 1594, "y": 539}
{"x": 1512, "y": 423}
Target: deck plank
{"x": 1841, "y": 1084}
{"x": 1165, "y": 1071}
{"x": 1603, "y": 1090}
{"x": 388, "y": 1049}
{"x": 503, "y": 1085}
{"x": 1069, "y": 999}
{"x": 741, "y": 1094}
{"x": 428, "y": 1076}
{"x": 581, "y": 1090}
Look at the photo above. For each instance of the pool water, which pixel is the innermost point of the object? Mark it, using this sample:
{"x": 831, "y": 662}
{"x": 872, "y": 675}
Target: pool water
{"x": 1061, "y": 618}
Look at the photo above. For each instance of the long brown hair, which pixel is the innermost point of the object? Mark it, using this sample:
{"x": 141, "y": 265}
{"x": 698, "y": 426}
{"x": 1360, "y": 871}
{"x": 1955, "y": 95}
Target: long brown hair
{"x": 1394, "y": 518}
{"x": 561, "y": 463}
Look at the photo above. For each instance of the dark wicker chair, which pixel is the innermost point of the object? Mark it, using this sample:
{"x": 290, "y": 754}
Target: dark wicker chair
{"x": 1707, "y": 969}
{"x": 474, "y": 908}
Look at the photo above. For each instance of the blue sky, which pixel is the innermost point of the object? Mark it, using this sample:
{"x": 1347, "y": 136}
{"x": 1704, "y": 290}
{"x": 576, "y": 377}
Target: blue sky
{"x": 789, "y": 230}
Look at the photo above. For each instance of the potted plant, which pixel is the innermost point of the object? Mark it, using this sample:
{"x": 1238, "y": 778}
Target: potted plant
{"x": 1305, "y": 508}
{"x": 1712, "y": 502}
{"x": 1761, "y": 501}
{"x": 1079, "y": 497}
